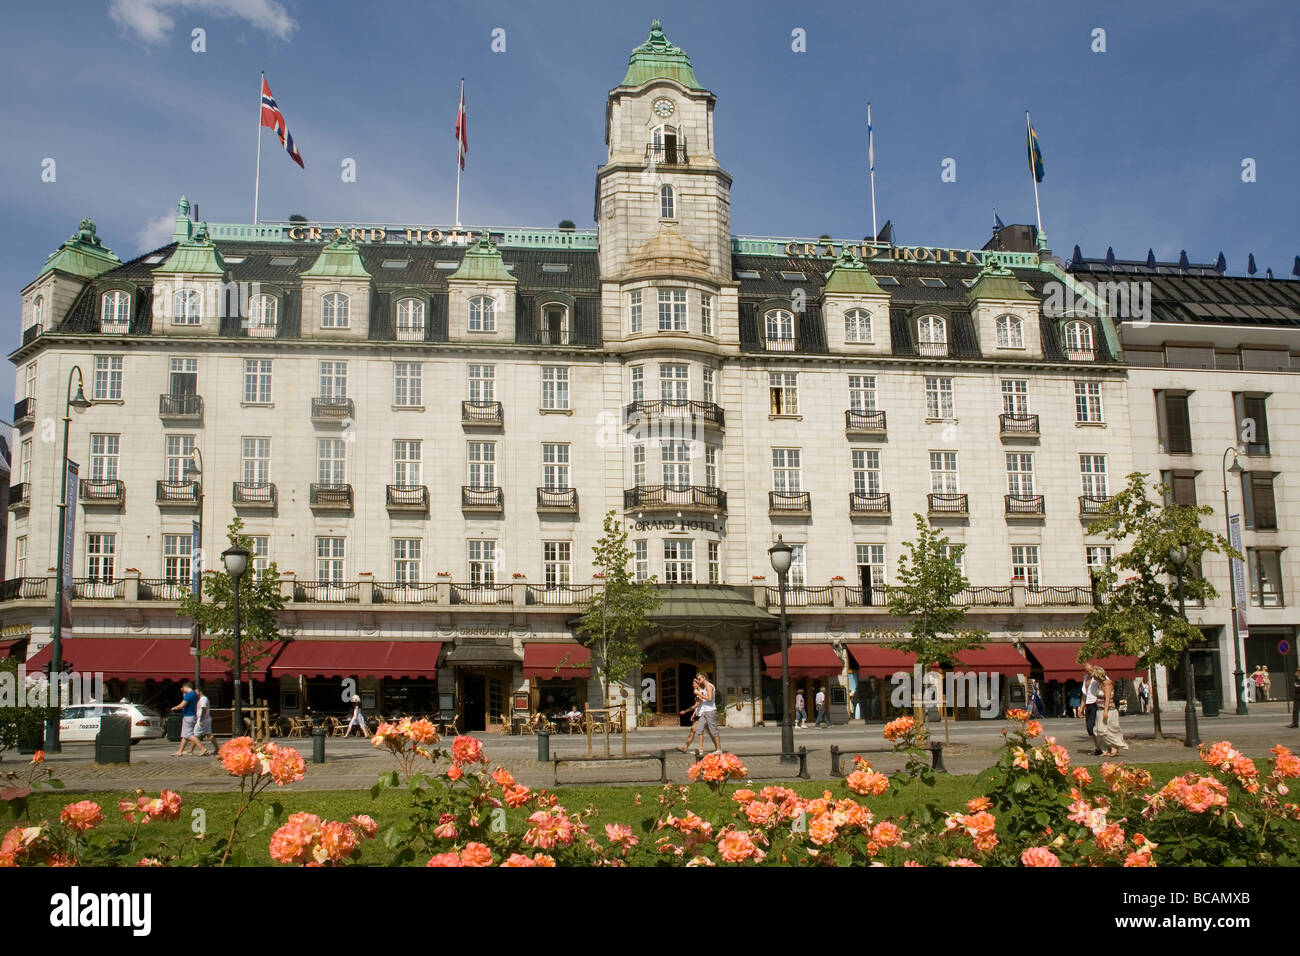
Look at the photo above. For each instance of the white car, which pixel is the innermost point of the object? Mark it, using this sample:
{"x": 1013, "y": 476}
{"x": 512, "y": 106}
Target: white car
{"x": 81, "y": 721}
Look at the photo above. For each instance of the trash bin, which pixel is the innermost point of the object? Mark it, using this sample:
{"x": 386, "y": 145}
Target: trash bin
{"x": 113, "y": 742}
{"x": 174, "y": 720}
{"x": 318, "y": 744}
{"x": 1210, "y": 704}
{"x": 543, "y": 746}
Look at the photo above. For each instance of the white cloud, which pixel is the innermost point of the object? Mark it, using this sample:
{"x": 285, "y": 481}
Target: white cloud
{"x": 156, "y": 232}
{"x": 150, "y": 21}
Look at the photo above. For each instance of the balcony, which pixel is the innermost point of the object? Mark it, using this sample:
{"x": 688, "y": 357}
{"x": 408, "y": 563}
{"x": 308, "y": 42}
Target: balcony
{"x": 482, "y": 499}
{"x": 999, "y": 596}
{"x": 801, "y": 596}
{"x": 25, "y": 589}
{"x": 863, "y": 423}
{"x": 160, "y": 589}
{"x": 1091, "y": 506}
{"x": 482, "y": 414}
{"x": 932, "y": 349}
{"x": 332, "y": 410}
{"x": 559, "y": 336}
{"x": 327, "y": 592}
{"x": 557, "y": 501}
{"x": 671, "y": 497}
{"x": 1018, "y": 426}
{"x": 485, "y": 593}
{"x": 410, "y": 333}
{"x": 330, "y": 497}
{"x": 1025, "y": 506}
{"x": 405, "y": 592}
{"x": 947, "y": 506}
{"x": 789, "y": 503}
{"x": 32, "y": 333}
{"x": 261, "y": 330}
{"x": 667, "y": 409}
{"x": 781, "y": 344}
{"x": 662, "y": 155}
{"x": 254, "y": 495}
{"x": 875, "y": 505}
{"x": 98, "y": 589}
{"x": 24, "y": 412}
{"x": 562, "y": 595}
{"x": 407, "y": 498}
{"x": 180, "y": 408}
{"x": 20, "y": 496}
{"x": 107, "y": 494}
{"x": 177, "y": 494}
{"x": 1075, "y": 596}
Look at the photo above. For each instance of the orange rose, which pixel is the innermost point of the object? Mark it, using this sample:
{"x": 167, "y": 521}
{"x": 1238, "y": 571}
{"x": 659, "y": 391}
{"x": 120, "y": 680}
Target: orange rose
{"x": 475, "y": 854}
{"x": 81, "y": 816}
{"x": 1039, "y": 856}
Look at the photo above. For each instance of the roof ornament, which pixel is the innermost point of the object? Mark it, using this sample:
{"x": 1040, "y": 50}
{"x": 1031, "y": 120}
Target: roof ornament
{"x": 86, "y": 233}
{"x": 201, "y": 233}
{"x": 994, "y": 268}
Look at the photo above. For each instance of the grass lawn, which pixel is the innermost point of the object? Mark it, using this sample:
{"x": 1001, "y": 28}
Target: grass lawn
{"x": 616, "y": 804}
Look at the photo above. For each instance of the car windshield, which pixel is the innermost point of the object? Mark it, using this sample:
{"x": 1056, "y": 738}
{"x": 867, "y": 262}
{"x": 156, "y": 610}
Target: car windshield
{"x": 72, "y": 713}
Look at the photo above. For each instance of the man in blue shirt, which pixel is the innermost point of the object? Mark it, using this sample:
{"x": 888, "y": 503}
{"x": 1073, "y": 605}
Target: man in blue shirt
{"x": 189, "y": 709}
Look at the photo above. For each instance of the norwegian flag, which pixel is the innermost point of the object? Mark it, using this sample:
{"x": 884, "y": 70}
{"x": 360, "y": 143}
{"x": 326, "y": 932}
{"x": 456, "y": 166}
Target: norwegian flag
{"x": 272, "y": 118}
{"x": 462, "y": 120}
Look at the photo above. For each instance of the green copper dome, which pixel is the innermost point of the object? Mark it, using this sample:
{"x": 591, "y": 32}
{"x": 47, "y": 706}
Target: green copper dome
{"x": 658, "y": 59}
{"x": 340, "y": 259}
{"x": 483, "y": 263}
{"x": 197, "y": 255}
{"x": 850, "y": 276}
{"x": 82, "y": 255}
{"x": 996, "y": 281}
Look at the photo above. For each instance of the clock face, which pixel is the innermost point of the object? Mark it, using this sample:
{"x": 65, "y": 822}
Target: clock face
{"x": 664, "y": 107}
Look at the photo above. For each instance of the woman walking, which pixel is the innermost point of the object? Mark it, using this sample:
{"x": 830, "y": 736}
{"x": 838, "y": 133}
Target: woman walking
{"x": 694, "y": 711}
{"x": 1108, "y": 733}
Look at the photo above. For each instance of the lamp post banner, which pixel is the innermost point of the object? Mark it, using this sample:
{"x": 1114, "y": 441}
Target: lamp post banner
{"x": 196, "y": 558}
{"x": 1238, "y": 573}
{"x": 70, "y": 522}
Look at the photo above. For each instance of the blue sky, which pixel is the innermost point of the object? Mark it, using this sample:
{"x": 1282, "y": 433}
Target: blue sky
{"x": 1143, "y": 144}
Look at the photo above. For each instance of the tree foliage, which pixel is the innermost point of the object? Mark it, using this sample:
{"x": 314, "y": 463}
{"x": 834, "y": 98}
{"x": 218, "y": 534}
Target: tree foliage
{"x": 18, "y": 721}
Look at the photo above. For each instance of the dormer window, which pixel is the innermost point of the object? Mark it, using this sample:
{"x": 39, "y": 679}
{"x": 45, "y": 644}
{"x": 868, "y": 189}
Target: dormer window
{"x": 555, "y": 324}
{"x": 334, "y": 311}
{"x": 779, "y": 329}
{"x": 932, "y": 335}
{"x": 857, "y": 326}
{"x": 263, "y": 316}
{"x": 1078, "y": 342}
{"x": 410, "y": 320}
{"x": 482, "y": 314}
{"x": 115, "y": 313}
{"x": 1011, "y": 332}
{"x": 185, "y": 307}
{"x": 667, "y": 203}
{"x": 672, "y": 310}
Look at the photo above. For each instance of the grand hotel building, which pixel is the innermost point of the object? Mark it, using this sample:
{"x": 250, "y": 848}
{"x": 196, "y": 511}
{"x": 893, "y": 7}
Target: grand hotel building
{"x": 425, "y": 428}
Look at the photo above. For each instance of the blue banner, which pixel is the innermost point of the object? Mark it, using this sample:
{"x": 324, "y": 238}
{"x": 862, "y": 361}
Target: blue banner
{"x": 196, "y": 559}
{"x": 69, "y": 521}
{"x": 1238, "y": 572}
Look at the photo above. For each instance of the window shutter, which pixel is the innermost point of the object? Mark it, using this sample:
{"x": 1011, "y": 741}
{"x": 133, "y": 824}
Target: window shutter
{"x": 1185, "y": 490}
{"x": 1180, "y": 426}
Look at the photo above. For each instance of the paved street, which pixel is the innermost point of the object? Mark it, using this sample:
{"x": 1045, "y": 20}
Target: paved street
{"x": 971, "y": 747}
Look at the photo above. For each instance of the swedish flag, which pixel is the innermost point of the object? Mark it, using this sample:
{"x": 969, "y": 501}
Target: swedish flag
{"x": 1035, "y": 154}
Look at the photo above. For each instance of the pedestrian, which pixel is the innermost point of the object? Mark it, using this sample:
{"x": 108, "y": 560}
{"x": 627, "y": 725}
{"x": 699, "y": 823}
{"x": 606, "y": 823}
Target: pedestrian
{"x": 694, "y": 711}
{"x": 800, "y": 710}
{"x": 357, "y": 719}
{"x": 707, "y": 715}
{"x": 188, "y": 707}
{"x": 203, "y": 723}
{"x": 1266, "y": 682}
{"x": 1144, "y": 695}
{"x": 1295, "y": 698}
{"x": 1258, "y": 678}
{"x": 1074, "y": 701}
{"x": 1036, "y": 708}
{"x": 1108, "y": 732}
{"x": 820, "y": 701}
{"x": 1091, "y": 691}
{"x": 1248, "y": 688}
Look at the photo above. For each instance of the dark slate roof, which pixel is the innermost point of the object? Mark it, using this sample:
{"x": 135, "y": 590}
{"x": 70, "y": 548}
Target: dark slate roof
{"x": 1208, "y": 298}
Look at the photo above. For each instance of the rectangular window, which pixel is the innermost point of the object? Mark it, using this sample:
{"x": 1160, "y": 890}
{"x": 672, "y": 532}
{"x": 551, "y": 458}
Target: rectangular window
{"x": 638, "y": 383}
{"x": 1182, "y": 486}
{"x": 674, "y": 383}
{"x": 257, "y": 381}
{"x": 482, "y": 562}
{"x": 862, "y": 393}
{"x": 943, "y": 473}
{"x": 679, "y": 562}
{"x": 711, "y": 466}
{"x": 706, "y": 314}
{"x": 104, "y": 451}
{"x": 1092, "y": 470}
{"x": 1097, "y": 556}
{"x": 555, "y": 387}
{"x": 638, "y": 465}
{"x": 710, "y": 391}
{"x": 108, "y": 378}
{"x": 261, "y": 555}
{"x": 408, "y": 455}
{"x": 1020, "y": 473}
{"x": 672, "y": 310}
{"x": 179, "y": 450}
{"x": 333, "y": 379}
{"x": 25, "y": 469}
{"x": 1252, "y": 423}
{"x": 408, "y": 384}
{"x": 557, "y": 563}
{"x": 1087, "y": 402}
{"x": 787, "y": 471}
{"x": 20, "y": 556}
{"x": 641, "y": 553}
{"x": 866, "y": 471}
{"x": 1261, "y": 506}
{"x": 715, "y": 563}
{"x": 1015, "y": 396}
{"x": 1024, "y": 564}
{"x": 176, "y": 558}
{"x": 329, "y": 560}
{"x": 956, "y": 553}
{"x": 101, "y": 554}
{"x": 256, "y": 461}
{"x": 406, "y": 560}
{"x": 784, "y": 389}
{"x": 555, "y": 467}
{"x": 938, "y": 398}
{"x": 871, "y": 566}
{"x": 1265, "y": 577}
{"x": 1174, "y": 419}
{"x": 331, "y": 461}
{"x": 482, "y": 383}
{"x": 634, "y": 314}
{"x": 482, "y": 464}
{"x": 31, "y": 381}
{"x": 675, "y": 456}
{"x": 184, "y": 377}
{"x": 798, "y": 574}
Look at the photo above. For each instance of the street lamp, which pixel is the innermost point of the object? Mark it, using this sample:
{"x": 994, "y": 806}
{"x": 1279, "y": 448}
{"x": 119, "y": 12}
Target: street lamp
{"x": 235, "y": 559}
{"x": 780, "y": 554}
{"x": 80, "y": 403}
{"x": 1239, "y": 673}
{"x": 1191, "y": 735}
{"x": 195, "y": 467}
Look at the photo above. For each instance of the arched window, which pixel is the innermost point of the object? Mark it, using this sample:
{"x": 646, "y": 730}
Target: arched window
{"x": 932, "y": 334}
{"x": 410, "y": 319}
{"x": 857, "y": 325}
{"x": 334, "y": 311}
{"x": 667, "y": 203}
{"x": 185, "y": 307}
{"x": 38, "y": 310}
{"x": 1011, "y": 333}
{"x": 667, "y": 146}
{"x": 263, "y": 315}
{"x": 554, "y": 329}
{"x": 1078, "y": 339}
{"x": 482, "y": 314}
{"x": 116, "y": 309}
{"x": 779, "y": 327}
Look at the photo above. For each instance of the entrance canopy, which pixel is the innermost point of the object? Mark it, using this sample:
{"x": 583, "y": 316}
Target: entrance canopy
{"x": 696, "y": 604}
{"x": 994, "y": 658}
{"x": 556, "y": 660}
{"x": 1060, "y": 662}
{"x": 876, "y": 661}
{"x": 806, "y": 660}
{"x": 410, "y": 659}
{"x": 128, "y": 658}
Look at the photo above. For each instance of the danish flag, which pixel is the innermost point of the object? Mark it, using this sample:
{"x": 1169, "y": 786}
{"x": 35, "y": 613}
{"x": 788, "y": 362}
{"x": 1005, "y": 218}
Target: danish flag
{"x": 272, "y": 118}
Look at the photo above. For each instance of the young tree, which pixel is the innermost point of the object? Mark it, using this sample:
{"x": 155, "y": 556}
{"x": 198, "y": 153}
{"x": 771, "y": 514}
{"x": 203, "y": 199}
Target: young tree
{"x": 928, "y": 581}
{"x": 617, "y": 613}
{"x": 259, "y": 606}
{"x": 1138, "y": 614}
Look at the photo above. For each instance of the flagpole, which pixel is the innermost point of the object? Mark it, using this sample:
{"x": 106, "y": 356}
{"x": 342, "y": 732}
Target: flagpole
{"x": 459, "y": 119}
{"x": 871, "y": 161}
{"x": 257, "y": 180}
{"x": 1038, "y": 213}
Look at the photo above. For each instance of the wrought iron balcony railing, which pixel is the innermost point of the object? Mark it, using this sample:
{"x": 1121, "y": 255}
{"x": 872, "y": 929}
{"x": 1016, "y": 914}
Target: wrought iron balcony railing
{"x": 177, "y": 494}
{"x": 188, "y": 407}
{"x": 864, "y": 423}
{"x": 665, "y": 155}
{"x": 674, "y": 496}
{"x": 330, "y": 496}
{"x": 670, "y": 408}
{"x": 407, "y": 498}
{"x": 482, "y": 413}
{"x": 482, "y": 499}
{"x": 1092, "y": 505}
{"x": 789, "y": 502}
{"x": 327, "y": 592}
{"x": 110, "y": 493}
{"x": 485, "y": 593}
{"x": 24, "y": 411}
{"x": 32, "y": 333}
{"x": 1025, "y": 505}
{"x": 947, "y": 504}
{"x": 557, "y": 499}
{"x": 331, "y": 409}
{"x": 868, "y": 504}
{"x": 1021, "y": 426}
{"x": 20, "y": 495}
{"x": 249, "y": 494}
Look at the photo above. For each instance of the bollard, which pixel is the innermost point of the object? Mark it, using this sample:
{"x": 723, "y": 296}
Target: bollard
{"x": 663, "y": 766}
{"x": 835, "y": 761}
{"x": 318, "y": 744}
{"x": 803, "y": 763}
{"x": 936, "y": 757}
{"x": 543, "y": 746}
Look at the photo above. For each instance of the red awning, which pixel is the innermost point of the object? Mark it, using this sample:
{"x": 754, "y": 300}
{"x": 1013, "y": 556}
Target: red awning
{"x": 125, "y": 658}
{"x": 997, "y": 658}
{"x": 411, "y": 659}
{"x": 1120, "y": 665}
{"x": 556, "y": 660}
{"x": 876, "y": 661}
{"x": 1060, "y": 662}
{"x": 806, "y": 660}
